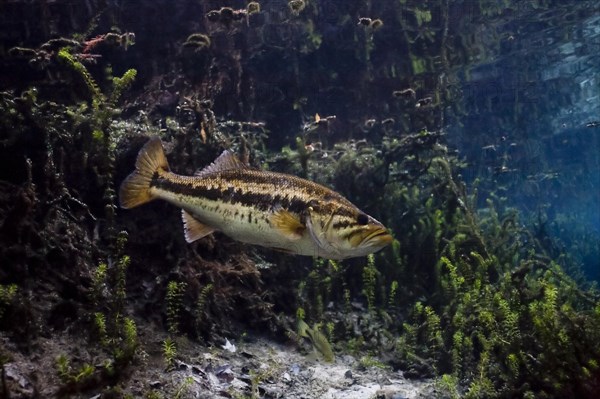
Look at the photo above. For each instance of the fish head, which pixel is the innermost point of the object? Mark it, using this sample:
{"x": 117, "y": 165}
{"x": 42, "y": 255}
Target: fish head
{"x": 341, "y": 231}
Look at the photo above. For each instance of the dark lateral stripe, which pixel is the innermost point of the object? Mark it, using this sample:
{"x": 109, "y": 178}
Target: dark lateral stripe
{"x": 230, "y": 195}
{"x": 230, "y": 192}
{"x": 301, "y": 188}
{"x": 290, "y": 192}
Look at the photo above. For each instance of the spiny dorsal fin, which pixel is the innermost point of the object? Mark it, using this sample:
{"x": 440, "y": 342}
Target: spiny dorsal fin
{"x": 194, "y": 229}
{"x": 226, "y": 161}
{"x": 287, "y": 224}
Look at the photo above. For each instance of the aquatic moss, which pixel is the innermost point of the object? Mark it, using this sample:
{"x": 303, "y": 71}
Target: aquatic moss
{"x": 419, "y": 65}
{"x": 120, "y": 85}
{"x": 392, "y": 297}
{"x": 73, "y": 378}
{"x": 422, "y": 16}
{"x": 65, "y": 56}
{"x": 7, "y": 295}
{"x": 174, "y": 295}
{"x": 169, "y": 349}
{"x": 528, "y": 336}
{"x": 369, "y": 281}
{"x": 202, "y": 303}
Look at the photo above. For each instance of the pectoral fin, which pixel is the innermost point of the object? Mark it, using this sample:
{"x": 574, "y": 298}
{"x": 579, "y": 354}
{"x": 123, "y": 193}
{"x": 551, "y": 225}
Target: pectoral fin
{"x": 194, "y": 229}
{"x": 287, "y": 224}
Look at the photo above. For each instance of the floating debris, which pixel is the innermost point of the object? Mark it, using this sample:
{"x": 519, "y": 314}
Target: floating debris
{"x": 229, "y": 346}
{"x": 197, "y": 41}
{"x": 297, "y": 6}
{"x": 226, "y": 15}
{"x": 370, "y": 123}
{"x": 365, "y": 21}
{"x": 370, "y": 23}
{"x": 253, "y": 7}
{"x": 376, "y": 24}
{"x": 424, "y": 102}
{"x": 406, "y": 93}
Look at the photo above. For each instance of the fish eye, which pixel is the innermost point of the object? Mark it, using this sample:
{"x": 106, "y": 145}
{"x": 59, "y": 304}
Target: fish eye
{"x": 362, "y": 219}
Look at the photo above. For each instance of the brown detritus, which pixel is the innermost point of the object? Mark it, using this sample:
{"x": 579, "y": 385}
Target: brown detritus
{"x": 197, "y": 42}
{"x": 253, "y": 7}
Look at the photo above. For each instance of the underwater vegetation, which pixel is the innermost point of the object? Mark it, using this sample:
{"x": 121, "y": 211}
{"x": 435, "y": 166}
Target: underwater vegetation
{"x": 493, "y": 313}
{"x": 472, "y": 292}
{"x": 511, "y": 322}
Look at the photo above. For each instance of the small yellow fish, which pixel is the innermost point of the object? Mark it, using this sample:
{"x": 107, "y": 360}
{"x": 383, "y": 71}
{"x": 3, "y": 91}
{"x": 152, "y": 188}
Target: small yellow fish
{"x": 271, "y": 209}
{"x": 318, "y": 340}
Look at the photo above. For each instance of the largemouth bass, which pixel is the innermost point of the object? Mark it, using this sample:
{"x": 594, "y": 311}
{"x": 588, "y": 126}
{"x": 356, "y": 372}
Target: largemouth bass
{"x": 270, "y": 209}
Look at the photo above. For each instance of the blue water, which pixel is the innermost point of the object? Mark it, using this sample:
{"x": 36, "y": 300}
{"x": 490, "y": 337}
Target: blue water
{"x": 529, "y": 128}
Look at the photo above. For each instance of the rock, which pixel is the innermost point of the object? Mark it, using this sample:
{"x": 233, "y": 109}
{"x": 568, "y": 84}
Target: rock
{"x": 19, "y": 385}
{"x": 295, "y": 369}
{"x": 182, "y": 366}
{"x": 224, "y": 373}
{"x": 388, "y": 393}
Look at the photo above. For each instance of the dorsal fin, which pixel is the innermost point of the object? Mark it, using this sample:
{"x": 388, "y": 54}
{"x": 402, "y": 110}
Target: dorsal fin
{"x": 226, "y": 161}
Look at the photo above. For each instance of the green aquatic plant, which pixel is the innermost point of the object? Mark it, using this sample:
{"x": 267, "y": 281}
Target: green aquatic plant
{"x": 100, "y": 325}
{"x": 71, "y": 378}
{"x": 99, "y": 118}
{"x": 317, "y": 289}
{"x": 116, "y": 333}
{"x": 498, "y": 330}
{"x": 392, "y": 297}
{"x": 174, "y": 299}
{"x": 370, "y": 281}
{"x": 202, "y": 304}
{"x": 183, "y": 387}
{"x": 80, "y": 70}
{"x": 7, "y": 295}
{"x": 367, "y": 362}
{"x": 153, "y": 395}
{"x": 99, "y": 278}
{"x": 169, "y": 349}
{"x": 494, "y": 310}
{"x": 120, "y": 85}
{"x": 449, "y": 385}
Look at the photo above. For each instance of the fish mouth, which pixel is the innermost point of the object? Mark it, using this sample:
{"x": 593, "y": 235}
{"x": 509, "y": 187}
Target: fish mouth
{"x": 377, "y": 237}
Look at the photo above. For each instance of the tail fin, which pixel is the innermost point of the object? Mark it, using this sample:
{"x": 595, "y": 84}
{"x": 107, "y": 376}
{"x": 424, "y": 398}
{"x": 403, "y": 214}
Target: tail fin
{"x": 135, "y": 189}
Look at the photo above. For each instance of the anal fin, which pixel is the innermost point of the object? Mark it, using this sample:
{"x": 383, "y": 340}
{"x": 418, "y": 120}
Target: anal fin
{"x": 194, "y": 229}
